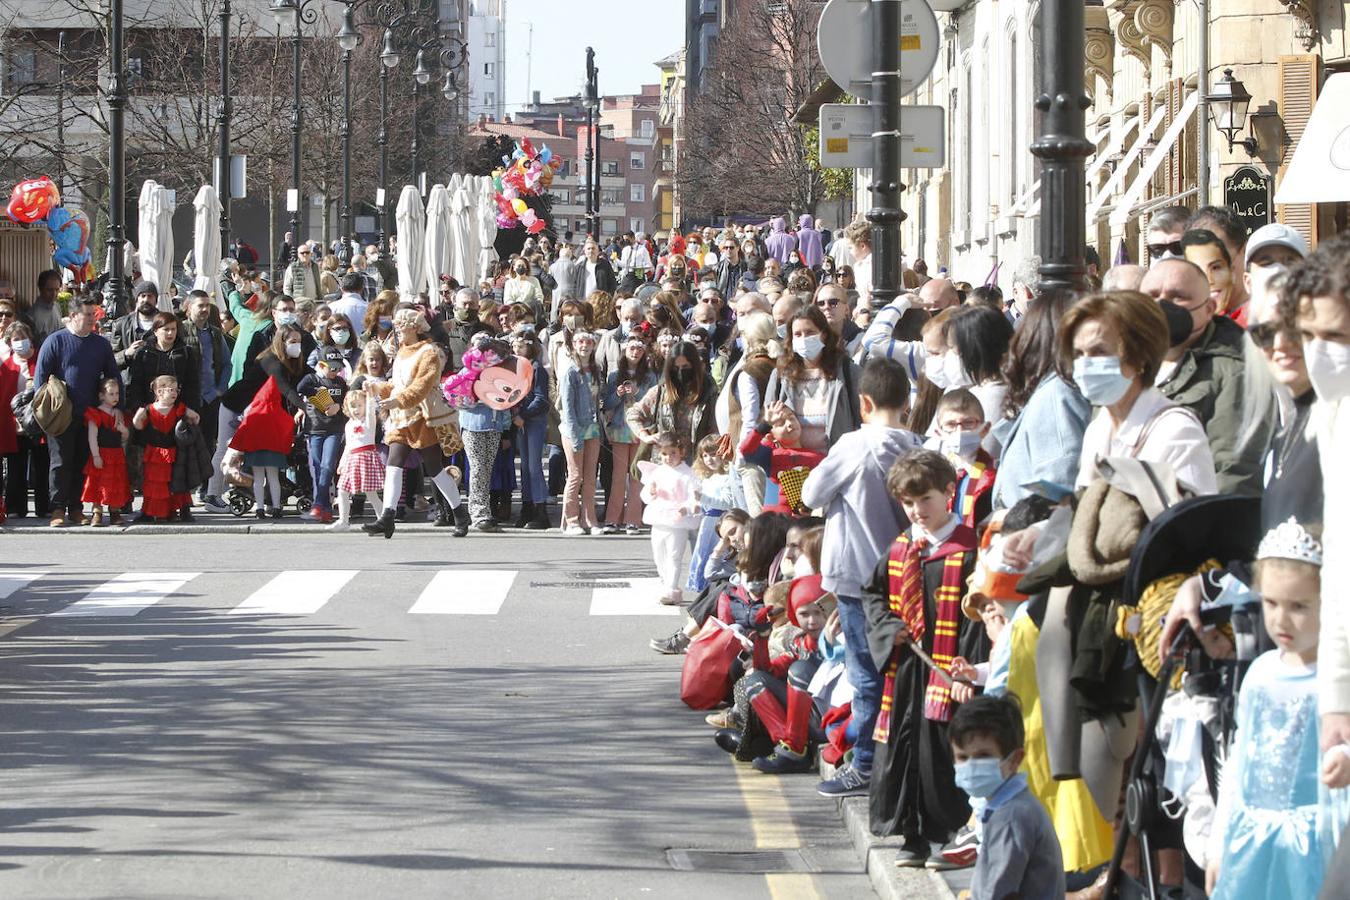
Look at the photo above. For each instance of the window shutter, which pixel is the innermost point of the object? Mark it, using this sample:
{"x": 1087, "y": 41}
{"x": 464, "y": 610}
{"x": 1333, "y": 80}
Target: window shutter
{"x": 1299, "y": 80}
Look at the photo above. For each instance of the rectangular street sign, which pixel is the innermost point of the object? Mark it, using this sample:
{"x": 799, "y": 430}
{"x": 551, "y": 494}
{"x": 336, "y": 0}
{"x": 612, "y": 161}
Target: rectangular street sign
{"x": 846, "y": 136}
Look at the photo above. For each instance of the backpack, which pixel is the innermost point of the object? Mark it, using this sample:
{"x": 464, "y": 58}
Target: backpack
{"x": 51, "y": 407}
{"x": 22, "y": 406}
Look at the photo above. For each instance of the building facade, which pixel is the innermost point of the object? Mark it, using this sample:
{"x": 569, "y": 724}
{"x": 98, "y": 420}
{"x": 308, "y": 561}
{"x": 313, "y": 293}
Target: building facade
{"x": 979, "y": 214}
{"x": 486, "y": 36}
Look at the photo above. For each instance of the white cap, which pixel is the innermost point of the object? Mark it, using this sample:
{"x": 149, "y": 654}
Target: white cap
{"x": 1276, "y": 234}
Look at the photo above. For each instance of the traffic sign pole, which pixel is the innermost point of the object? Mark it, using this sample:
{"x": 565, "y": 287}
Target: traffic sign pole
{"x": 886, "y": 214}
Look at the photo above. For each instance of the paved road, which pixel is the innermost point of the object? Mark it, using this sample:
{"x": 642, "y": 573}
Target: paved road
{"x": 317, "y": 715}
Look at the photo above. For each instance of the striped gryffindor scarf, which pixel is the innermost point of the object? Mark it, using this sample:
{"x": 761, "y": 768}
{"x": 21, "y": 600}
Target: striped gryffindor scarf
{"x": 905, "y": 570}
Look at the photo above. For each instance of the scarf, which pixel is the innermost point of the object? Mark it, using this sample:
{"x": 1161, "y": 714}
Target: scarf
{"x": 905, "y": 570}
{"x": 977, "y": 479}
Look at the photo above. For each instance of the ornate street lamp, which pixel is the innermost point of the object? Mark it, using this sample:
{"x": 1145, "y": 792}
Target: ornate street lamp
{"x": 224, "y": 110}
{"x": 390, "y": 16}
{"x": 348, "y": 39}
{"x": 303, "y": 14}
{"x": 115, "y": 291}
{"x": 1228, "y": 110}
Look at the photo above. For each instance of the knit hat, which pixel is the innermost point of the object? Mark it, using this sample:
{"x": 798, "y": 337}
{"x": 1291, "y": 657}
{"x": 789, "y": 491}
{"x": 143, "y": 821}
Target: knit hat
{"x": 805, "y": 591}
{"x": 144, "y": 286}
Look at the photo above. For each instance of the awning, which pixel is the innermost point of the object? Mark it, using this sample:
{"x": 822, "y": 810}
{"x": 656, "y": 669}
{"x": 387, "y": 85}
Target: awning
{"x": 1320, "y": 169}
{"x": 1121, "y": 214}
{"x": 1122, "y": 169}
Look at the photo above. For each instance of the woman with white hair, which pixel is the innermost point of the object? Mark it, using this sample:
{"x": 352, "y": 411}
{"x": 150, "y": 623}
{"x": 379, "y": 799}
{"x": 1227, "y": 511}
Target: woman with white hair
{"x": 418, "y": 418}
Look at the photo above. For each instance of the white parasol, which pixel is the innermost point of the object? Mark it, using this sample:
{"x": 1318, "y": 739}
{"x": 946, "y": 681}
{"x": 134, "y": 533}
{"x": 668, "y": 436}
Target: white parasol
{"x": 156, "y": 236}
{"x": 463, "y": 229}
{"x": 487, "y": 226}
{"x": 206, "y": 241}
{"x": 438, "y": 254}
{"x": 410, "y": 221}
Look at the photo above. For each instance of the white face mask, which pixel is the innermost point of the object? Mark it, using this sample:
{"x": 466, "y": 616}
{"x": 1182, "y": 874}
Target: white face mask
{"x": 340, "y": 335}
{"x": 955, "y": 371}
{"x": 22, "y": 346}
{"x": 809, "y": 347}
{"x": 293, "y": 350}
{"x": 1328, "y": 368}
{"x": 962, "y": 443}
{"x": 935, "y": 371}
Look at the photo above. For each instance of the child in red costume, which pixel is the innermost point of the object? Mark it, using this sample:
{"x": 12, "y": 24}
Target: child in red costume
{"x": 105, "y": 475}
{"x": 780, "y": 435}
{"x": 156, "y": 423}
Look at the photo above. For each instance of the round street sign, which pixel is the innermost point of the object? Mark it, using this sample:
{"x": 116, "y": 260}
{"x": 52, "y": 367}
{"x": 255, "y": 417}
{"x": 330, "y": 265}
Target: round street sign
{"x": 845, "y": 44}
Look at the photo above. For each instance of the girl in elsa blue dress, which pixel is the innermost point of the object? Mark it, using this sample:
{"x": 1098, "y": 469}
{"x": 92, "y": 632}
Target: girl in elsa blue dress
{"x": 1268, "y": 810}
{"x": 720, "y": 490}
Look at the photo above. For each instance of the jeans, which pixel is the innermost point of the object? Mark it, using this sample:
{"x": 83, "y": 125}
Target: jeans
{"x": 703, "y": 547}
{"x": 623, "y": 501}
{"x": 531, "y": 438}
{"x": 226, "y": 426}
{"x": 324, "y": 450}
{"x": 68, "y": 454}
{"x": 863, "y": 675}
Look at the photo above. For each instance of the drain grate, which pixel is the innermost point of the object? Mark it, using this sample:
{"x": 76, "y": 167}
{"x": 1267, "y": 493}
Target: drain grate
{"x": 744, "y": 861}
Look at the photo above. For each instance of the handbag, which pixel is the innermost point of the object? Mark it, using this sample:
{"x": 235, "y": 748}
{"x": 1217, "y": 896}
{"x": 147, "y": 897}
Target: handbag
{"x": 705, "y": 680}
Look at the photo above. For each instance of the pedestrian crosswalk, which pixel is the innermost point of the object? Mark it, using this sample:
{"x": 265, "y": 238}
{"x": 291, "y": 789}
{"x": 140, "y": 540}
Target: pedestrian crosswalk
{"x": 51, "y": 593}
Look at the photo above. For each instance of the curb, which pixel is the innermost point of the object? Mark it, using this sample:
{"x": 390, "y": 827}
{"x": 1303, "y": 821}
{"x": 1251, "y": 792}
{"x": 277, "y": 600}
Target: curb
{"x": 878, "y": 855}
{"x": 203, "y": 526}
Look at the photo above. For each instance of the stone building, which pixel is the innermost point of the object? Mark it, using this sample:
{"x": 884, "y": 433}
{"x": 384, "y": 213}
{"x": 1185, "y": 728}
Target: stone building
{"x": 1154, "y": 148}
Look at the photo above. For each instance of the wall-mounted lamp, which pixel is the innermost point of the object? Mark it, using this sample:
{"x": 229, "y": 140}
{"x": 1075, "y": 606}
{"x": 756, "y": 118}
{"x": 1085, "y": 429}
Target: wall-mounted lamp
{"x": 1228, "y": 110}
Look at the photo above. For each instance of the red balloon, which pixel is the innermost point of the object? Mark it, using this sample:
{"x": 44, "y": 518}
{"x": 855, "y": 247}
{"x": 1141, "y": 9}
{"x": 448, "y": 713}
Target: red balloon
{"x": 32, "y": 200}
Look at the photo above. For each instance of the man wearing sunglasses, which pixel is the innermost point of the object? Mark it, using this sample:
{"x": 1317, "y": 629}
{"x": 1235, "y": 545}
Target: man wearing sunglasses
{"x": 1164, "y": 232}
{"x": 730, "y": 267}
{"x": 302, "y": 276}
{"x": 832, "y": 300}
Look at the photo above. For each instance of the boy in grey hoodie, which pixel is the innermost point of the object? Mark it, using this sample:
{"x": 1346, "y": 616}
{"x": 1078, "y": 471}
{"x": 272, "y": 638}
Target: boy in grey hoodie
{"x": 861, "y": 522}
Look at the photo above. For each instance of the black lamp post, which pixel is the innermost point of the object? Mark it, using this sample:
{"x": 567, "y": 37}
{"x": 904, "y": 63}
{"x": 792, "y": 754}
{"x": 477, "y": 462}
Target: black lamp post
{"x": 303, "y": 15}
{"x": 223, "y": 112}
{"x": 423, "y": 38}
{"x": 389, "y": 16}
{"x": 348, "y": 39}
{"x": 591, "y": 174}
{"x": 115, "y": 291}
{"x": 1062, "y": 147}
{"x": 885, "y": 214}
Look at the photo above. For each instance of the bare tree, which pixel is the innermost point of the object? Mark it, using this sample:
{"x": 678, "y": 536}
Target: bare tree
{"x": 742, "y": 153}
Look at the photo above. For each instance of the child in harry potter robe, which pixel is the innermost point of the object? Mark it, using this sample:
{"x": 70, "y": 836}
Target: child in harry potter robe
{"x": 915, "y": 596}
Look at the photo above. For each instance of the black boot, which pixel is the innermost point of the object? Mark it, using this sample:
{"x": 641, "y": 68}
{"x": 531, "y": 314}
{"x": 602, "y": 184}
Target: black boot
{"x": 462, "y": 520}
{"x": 502, "y": 510}
{"x": 444, "y": 514}
{"x": 383, "y": 525}
{"x": 526, "y": 514}
{"x": 540, "y": 521}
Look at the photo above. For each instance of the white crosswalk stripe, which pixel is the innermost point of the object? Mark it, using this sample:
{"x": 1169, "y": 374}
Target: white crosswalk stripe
{"x": 128, "y": 594}
{"x": 12, "y": 580}
{"x": 465, "y": 592}
{"x": 631, "y": 597}
{"x": 295, "y": 593}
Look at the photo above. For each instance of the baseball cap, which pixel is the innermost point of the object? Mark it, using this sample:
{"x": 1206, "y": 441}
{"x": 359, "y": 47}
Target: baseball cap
{"x": 1276, "y": 234}
{"x": 333, "y": 357}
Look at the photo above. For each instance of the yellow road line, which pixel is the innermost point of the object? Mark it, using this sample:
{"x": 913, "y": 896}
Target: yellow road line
{"x": 771, "y": 822}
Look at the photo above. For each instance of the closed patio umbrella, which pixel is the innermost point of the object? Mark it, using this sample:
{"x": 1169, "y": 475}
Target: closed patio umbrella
{"x": 410, "y": 223}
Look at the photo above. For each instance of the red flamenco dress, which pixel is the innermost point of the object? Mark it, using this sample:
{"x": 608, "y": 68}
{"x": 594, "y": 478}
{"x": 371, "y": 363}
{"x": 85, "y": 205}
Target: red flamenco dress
{"x": 161, "y": 451}
{"x": 107, "y": 486}
{"x": 267, "y": 431}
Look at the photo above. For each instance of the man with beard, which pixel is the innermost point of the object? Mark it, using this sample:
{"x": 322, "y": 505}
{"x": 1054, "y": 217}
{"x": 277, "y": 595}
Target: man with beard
{"x": 130, "y": 332}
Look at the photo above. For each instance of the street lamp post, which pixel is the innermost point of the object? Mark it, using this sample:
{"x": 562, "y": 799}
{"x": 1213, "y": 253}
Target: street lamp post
{"x": 61, "y": 110}
{"x": 590, "y": 129}
{"x": 1062, "y": 147}
{"x": 348, "y": 39}
{"x": 389, "y": 16}
{"x": 303, "y": 15}
{"x": 223, "y": 110}
{"x": 422, "y": 38}
{"x": 115, "y": 291}
{"x": 885, "y": 214}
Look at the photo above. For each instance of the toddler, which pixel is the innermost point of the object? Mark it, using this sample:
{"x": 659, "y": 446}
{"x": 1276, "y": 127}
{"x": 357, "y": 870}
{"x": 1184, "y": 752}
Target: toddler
{"x": 670, "y": 491}
{"x": 156, "y": 423}
{"x": 360, "y": 471}
{"x": 105, "y": 475}
{"x": 719, "y": 491}
{"x": 779, "y": 437}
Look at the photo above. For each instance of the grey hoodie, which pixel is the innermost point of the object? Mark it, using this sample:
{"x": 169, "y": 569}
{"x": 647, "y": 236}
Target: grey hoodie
{"x": 861, "y": 518}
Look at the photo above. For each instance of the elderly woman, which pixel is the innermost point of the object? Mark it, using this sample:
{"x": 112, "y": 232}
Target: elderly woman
{"x": 26, "y": 460}
{"x": 817, "y": 381}
{"x": 417, "y": 417}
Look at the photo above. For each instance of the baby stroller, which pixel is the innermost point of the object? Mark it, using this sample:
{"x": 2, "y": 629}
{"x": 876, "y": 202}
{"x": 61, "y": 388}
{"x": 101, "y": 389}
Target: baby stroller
{"x": 295, "y": 481}
{"x": 1179, "y": 541}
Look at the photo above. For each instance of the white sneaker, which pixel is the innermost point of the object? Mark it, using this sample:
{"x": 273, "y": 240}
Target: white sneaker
{"x": 576, "y": 531}
{"x": 339, "y": 525}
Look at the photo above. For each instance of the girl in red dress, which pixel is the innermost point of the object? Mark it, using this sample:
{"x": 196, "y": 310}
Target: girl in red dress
{"x": 156, "y": 422}
{"x": 105, "y": 475}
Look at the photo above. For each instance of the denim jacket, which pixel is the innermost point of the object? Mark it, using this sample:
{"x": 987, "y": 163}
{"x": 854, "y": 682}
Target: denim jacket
{"x": 579, "y": 412}
{"x": 481, "y": 417}
{"x": 535, "y": 404}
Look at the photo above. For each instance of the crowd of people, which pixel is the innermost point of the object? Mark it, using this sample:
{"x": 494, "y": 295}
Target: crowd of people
{"x": 952, "y": 543}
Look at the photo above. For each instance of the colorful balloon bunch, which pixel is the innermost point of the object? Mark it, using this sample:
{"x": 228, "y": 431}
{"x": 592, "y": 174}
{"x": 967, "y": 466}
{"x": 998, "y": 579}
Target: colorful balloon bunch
{"x": 38, "y": 199}
{"x": 526, "y": 173}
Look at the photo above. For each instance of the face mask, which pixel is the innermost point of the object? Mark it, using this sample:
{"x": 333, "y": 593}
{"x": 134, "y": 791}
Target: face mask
{"x": 1328, "y": 368}
{"x": 955, "y": 371}
{"x": 935, "y": 371}
{"x": 961, "y": 443}
{"x": 520, "y": 271}
{"x": 809, "y": 347}
{"x": 683, "y": 377}
{"x": 1179, "y": 323}
{"x": 386, "y": 323}
{"x": 574, "y": 323}
{"x": 22, "y": 346}
{"x": 463, "y": 315}
{"x": 782, "y": 332}
{"x": 340, "y": 335}
{"x": 286, "y": 318}
{"x": 979, "y": 777}
{"x": 787, "y": 568}
{"x": 293, "y": 350}
{"x": 1099, "y": 379}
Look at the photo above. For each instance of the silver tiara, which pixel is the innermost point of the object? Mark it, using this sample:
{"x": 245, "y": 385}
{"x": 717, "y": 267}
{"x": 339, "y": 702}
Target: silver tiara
{"x": 1290, "y": 540}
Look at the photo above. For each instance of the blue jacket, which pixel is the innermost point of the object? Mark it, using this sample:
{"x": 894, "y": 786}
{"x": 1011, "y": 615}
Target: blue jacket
{"x": 481, "y": 417}
{"x": 535, "y": 404}
{"x": 578, "y": 406}
{"x": 1043, "y": 443}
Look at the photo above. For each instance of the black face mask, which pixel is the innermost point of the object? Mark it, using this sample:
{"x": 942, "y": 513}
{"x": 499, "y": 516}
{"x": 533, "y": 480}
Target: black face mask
{"x": 683, "y": 378}
{"x": 1179, "y": 322}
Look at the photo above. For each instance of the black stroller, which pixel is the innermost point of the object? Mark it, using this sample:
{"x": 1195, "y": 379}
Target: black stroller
{"x": 296, "y": 484}
{"x": 1180, "y": 540}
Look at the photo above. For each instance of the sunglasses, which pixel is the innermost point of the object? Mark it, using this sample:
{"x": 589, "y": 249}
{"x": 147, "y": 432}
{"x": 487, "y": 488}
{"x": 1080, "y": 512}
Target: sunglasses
{"x": 831, "y": 302}
{"x": 1156, "y": 251}
{"x": 1264, "y": 334}
{"x": 6, "y": 314}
